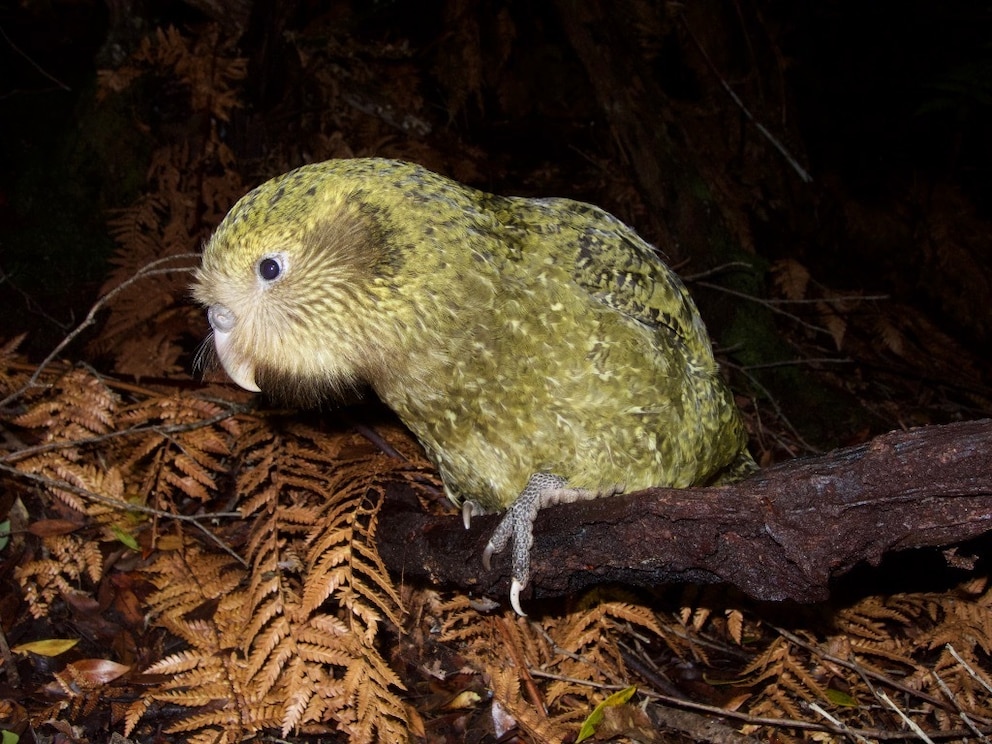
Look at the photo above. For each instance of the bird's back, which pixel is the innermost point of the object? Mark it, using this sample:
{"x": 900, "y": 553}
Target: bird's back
{"x": 577, "y": 352}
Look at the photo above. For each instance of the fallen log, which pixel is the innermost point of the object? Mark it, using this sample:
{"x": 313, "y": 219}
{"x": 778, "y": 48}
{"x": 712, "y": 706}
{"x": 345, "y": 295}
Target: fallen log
{"x": 782, "y": 534}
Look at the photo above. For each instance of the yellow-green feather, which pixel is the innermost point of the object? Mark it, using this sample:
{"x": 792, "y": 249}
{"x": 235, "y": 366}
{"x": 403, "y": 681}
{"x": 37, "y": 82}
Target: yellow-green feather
{"x": 510, "y": 335}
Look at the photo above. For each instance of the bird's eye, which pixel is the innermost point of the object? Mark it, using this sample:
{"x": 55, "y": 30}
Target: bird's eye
{"x": 269, "y": 268}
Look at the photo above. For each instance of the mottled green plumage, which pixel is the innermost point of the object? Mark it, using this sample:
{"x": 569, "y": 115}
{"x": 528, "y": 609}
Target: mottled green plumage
{"x": 512, "y": 336}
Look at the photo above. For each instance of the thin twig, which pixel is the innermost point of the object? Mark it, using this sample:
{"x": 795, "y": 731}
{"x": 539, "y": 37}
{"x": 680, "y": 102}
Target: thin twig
{"x": 797, "y": 363}
{"x": 167, "y": 430}
{"x": 722, "y": 268}
{"x": 979, "y": 678}
{"x": 559, "y": 650}
{"x": 149, "y": 269}
{"x": 33, "y": 306}
{"x": 953, "y": 698}
{"x": 778, "y": 409}
{"x": 536, "y": 699}
{"x": 905, "y": 719}
{"x": 803, "y": 173}
{"x": 679, "y": 631}
{"x": 745, "y": 717}
{"x": 645, "y": 668}
{"x": 837, "y": 722}
{"x": 836, "y": 298}
{"x": 793, "y": 638}
{"x": 31, "y": 62}
{"x": 762, "y": 301}
{"x": 192, "y": 519}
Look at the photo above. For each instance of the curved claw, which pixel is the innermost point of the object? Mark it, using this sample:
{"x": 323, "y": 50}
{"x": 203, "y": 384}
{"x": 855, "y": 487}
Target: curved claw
{"x": 487, "y": 556}
{"x": 516, "y": 529}
{"x": 470, "y": 509}
{"x": 515, "y": 587}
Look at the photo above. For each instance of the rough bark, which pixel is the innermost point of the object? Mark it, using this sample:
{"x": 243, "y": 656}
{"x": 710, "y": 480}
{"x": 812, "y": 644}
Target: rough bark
{"x": 782, "y": 534}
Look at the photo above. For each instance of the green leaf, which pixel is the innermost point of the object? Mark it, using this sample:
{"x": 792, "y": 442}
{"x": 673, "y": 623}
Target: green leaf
{"x": 595, "y": 718}
{"x": 8, "y": 737}
{"x": 4, "y": 539}
{"x": 841, "y": 698}
{"x": 47, "y": 647}
{"x": 125, "y": 537}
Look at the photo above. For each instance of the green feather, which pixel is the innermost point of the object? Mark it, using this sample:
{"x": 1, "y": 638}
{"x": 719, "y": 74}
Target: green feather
{"x": 511, "y": 335}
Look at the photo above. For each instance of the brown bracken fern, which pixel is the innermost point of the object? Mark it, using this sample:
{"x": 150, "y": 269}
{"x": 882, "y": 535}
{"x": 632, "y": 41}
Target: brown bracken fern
{"x": 291, "y": 640}
{"x": 578, "y": 654}
{"x": 189, "y": 187}
{"x": 287, "y": 641}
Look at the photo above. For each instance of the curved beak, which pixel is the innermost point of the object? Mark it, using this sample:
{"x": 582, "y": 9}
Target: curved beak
{"x": 240, "y": 370}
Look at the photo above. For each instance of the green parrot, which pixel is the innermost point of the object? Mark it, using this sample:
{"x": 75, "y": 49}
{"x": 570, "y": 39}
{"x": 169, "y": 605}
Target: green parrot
{"x": 539, "y": 349}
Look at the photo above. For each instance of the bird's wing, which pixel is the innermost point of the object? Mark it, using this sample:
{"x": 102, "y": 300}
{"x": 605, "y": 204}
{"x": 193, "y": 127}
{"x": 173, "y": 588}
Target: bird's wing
{"x": 618, "y": 268}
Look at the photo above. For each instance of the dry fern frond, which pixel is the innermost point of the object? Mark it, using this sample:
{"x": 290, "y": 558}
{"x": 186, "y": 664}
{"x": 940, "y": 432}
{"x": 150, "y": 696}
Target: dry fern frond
{"x": 78, "y": 405}
{"x": 586, "y": 647}
{"x": 579, "y": 652}
{"x": 13, "y": 375}
{"x": 181, "y": 203}
{"x": 884, "y": 650}
{"x": 333, "y": 507}
{"x": 965, "y": 621}
{"x": 291, "y": 641}
{"x": 74, "y": 411}
{"x": 209, "y": 674}
{"x": 783, "y": 680}
{"x": 67, "y": 562}
{"x": 148, "y": 319}
{"x": 505, "y": 682}
{"x": 791, "y": 278}
{"x": 91, "y": 456}
{"x": 196, "y": 63}
{"x": 166, "y": 446}
{"x": 85, "y": 683}
{"x": 178, "y": 444}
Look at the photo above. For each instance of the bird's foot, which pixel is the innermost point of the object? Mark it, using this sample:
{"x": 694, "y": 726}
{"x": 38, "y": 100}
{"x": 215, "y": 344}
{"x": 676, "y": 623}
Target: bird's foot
{"x": 517, "y": 525}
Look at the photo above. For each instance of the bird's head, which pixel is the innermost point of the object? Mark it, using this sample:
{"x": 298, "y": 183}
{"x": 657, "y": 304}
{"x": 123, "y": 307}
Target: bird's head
{"x": 287, "y": 280}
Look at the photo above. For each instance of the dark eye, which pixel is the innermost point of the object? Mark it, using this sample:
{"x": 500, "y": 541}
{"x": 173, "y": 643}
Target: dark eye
{"x": 269, "y": 269}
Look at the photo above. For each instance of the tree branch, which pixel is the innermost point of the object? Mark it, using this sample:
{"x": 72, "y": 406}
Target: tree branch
{"x": 782, "y": 534}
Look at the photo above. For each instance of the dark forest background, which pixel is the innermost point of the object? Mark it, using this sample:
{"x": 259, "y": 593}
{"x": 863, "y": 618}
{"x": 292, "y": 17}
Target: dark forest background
{"x": 838, "y": 149}
{"x": 818, "y": 172}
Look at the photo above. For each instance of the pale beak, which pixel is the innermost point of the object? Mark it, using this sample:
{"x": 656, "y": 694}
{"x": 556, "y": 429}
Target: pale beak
{"x": 241, "y": 371}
